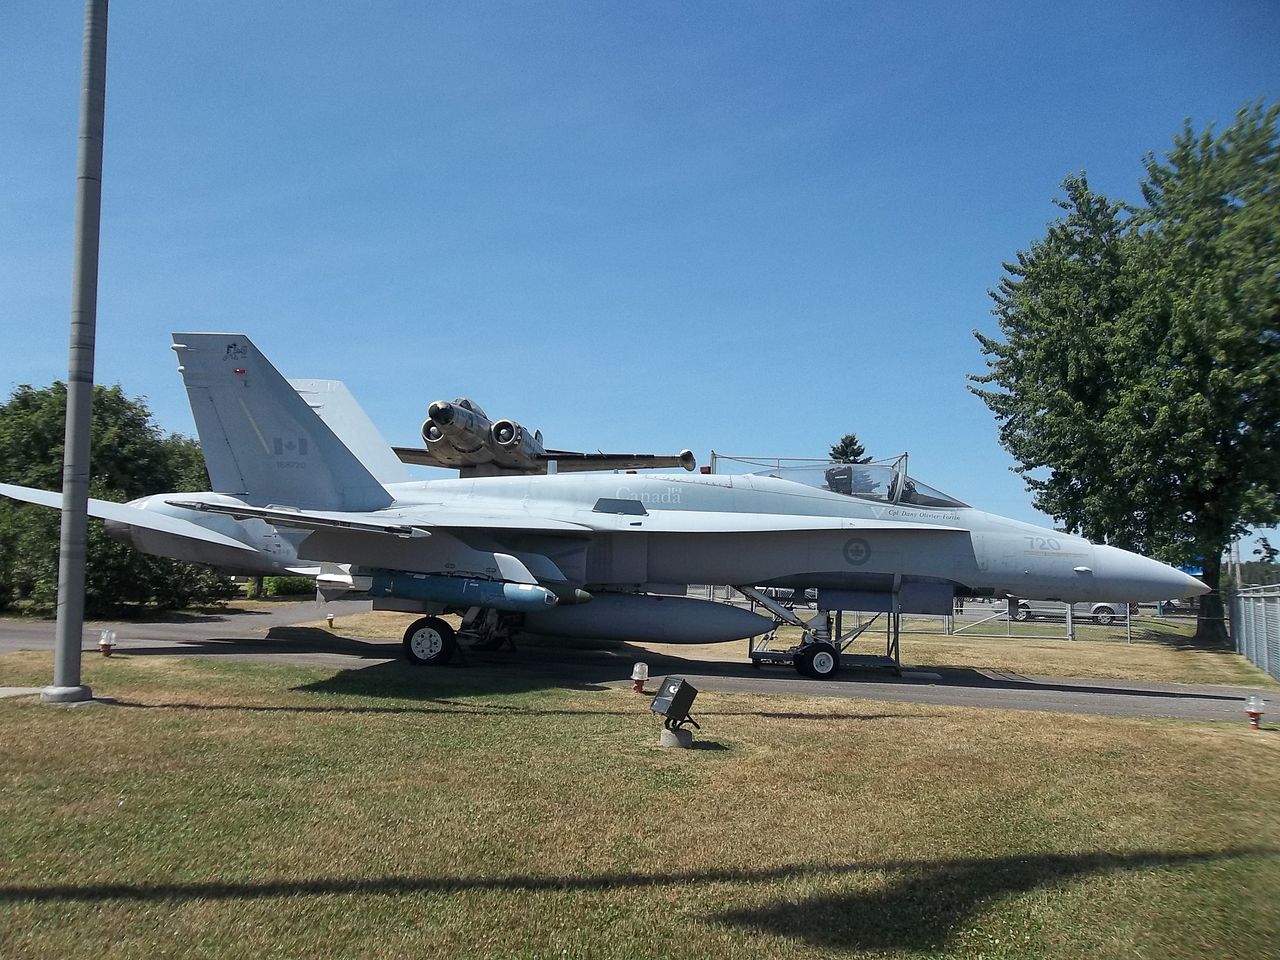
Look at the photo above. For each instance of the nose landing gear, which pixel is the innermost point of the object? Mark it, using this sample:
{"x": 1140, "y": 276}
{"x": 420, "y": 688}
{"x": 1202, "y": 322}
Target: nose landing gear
{"x": 820, "y": 652}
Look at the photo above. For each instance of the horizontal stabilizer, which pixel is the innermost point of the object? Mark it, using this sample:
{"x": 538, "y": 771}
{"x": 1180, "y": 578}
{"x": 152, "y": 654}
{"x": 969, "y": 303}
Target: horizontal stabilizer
{"x": 130, "y": 516}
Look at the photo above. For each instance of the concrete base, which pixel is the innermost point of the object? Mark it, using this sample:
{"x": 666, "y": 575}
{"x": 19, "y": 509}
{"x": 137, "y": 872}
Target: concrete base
{"x": 681, "y": 737}
{"x": 66, "y": 694}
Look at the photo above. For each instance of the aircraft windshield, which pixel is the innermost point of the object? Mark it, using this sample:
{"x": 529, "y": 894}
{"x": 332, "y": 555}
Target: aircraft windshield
{"x": 883, "y": 482}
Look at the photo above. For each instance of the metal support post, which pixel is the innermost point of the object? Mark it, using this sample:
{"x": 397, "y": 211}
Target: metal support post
{"x": 67, "y": 687}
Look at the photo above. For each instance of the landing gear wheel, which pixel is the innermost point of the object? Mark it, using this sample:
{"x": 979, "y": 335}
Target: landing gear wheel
{"x": 429, "y": 642}
{"x": 819, "y": 661}
{"x": 1022, "y": 614}
{"x": 1104, "y": 616}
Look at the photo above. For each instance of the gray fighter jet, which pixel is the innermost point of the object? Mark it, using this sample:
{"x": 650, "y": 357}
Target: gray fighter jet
{"x": 579, "y": 554}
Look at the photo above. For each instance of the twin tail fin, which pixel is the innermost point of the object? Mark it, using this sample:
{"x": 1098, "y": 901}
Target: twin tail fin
{"x": 261, "y": 440}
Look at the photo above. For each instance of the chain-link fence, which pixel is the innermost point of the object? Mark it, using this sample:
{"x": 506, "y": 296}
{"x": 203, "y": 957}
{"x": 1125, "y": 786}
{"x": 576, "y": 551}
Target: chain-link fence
{"x": 1031, "y": 620}
{"x": 1255, "y": 626}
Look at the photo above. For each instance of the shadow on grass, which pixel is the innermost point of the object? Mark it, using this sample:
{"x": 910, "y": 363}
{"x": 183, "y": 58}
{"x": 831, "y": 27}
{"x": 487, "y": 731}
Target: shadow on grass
{"x": 990, "y": 679}
{"x": 279, "y": 640}
{"x": 925, "y": 903}
{"x": 920, "y": 908}
{"x": 438, "y": 705}
{"x": 1186, "y": 644}
{"x": 529, "y": 669}
{"x": 194, "y": 615}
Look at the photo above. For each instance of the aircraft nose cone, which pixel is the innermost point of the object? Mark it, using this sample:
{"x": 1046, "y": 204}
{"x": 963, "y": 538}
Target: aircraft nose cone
{"x": 1130, "y": 576}
{"x": 1193, "y": 587}
{"x": 441, "y": 412}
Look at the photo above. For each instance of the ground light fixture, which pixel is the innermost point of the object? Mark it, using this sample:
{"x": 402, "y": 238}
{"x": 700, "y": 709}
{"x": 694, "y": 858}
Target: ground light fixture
{"x": 1255, "y": 706}
{"x": 673, "y": 701}
{"x": 639, "y": 674}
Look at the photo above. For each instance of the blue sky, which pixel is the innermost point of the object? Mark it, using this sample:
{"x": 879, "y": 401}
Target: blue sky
{"x": 740, "y": 226}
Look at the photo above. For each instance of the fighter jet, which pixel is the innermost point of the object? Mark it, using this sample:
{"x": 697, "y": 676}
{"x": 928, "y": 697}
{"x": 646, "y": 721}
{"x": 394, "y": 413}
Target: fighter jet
{"x": 582, "y": 554}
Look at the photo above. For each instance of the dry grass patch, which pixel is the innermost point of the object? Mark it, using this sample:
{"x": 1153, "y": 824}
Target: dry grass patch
{"x": 233, "y": 809}
{"x": 1155, "y": 657}
{"x": 373, "y": 625}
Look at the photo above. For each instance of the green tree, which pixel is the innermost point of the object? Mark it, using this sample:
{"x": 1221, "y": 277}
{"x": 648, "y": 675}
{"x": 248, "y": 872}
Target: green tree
{"x": 1138, "y": 381}
{"x": 131, "y": 457}
{"x": 849, "y": 450}
{"x": 1266, "y": 551}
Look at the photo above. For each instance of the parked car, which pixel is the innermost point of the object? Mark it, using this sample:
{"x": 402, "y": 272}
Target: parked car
{"x": 1100, "y": 613}
{"x": 1165, "y": 608}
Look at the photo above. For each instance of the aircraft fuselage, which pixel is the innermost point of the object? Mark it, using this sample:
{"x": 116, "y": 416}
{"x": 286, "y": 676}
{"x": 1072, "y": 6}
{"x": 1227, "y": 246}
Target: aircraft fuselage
{"x": 629, "y": 531}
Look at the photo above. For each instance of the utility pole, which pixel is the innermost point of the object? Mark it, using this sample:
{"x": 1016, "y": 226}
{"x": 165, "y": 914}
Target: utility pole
{"x": 67, "y": 687}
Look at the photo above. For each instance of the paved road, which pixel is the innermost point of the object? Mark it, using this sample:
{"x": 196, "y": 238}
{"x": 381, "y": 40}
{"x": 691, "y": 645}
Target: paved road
{"x": 267, "y": 635}
{"x": 19, "y": 634}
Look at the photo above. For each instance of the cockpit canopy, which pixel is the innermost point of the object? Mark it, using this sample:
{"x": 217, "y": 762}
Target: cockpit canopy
{"x": 884, "y": 482}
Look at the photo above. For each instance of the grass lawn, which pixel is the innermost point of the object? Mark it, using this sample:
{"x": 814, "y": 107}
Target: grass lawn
{"x": 231, "y": 809}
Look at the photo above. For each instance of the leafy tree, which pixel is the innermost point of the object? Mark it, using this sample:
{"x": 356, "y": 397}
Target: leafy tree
{"x": 1259, "y": 572}
{"x": 849, "y": 450}
{"x": 130, "y": 458}
{"x": 1138, "y": 382}
{"x": 1265, "y": 550}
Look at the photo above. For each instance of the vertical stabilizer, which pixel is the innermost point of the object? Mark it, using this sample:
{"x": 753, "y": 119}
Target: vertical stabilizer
{"x": 339, "y": 410}
{"x": 260, "y": 439}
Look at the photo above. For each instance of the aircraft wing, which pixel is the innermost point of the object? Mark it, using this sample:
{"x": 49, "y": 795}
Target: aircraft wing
{"x": 306, "y": 519}
{"x": 417, "y": 523}
{"x": 420, "y": 456}
{"x": 130, "y": 516}
{"x": 567, "y": 461}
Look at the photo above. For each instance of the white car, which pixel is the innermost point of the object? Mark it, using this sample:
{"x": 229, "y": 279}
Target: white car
{"x": 1100, "y": 613}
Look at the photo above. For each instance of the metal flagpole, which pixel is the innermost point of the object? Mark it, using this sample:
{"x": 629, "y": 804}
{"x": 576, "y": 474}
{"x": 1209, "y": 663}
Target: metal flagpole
{"x": 67, "y": 687}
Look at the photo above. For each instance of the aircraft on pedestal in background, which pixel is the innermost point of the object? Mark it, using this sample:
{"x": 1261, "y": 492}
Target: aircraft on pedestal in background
{"x": 461, "y": 435}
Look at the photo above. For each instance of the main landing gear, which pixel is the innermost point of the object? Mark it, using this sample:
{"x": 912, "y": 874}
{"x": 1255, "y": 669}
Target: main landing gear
{"x": 431, "y": 641}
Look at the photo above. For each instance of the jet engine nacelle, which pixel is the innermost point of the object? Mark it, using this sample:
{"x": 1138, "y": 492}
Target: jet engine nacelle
{"x": 458, "y": 432}
{"x": 515, "y": 446}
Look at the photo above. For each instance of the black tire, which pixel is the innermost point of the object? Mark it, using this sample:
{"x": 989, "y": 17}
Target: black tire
{"x": 430, "y": 641}
{"x": 1022, "y": 614}
{"x": 1104, "y": 616}
{"x": 819, "y": 661}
